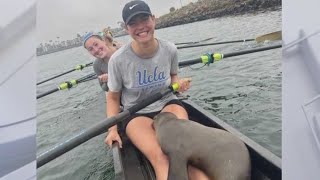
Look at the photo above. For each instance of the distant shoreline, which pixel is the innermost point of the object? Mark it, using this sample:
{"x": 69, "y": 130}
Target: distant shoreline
{"x": 259, "y": 11}
{"x": 209, "y": 9}
{"x": 58, "y": 49}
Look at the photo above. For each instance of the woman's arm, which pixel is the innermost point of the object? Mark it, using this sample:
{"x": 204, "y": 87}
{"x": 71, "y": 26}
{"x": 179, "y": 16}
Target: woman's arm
{"x": 102, "y": 77}
{"x": 113, "y": 105}
{"x": 113, "y": 108}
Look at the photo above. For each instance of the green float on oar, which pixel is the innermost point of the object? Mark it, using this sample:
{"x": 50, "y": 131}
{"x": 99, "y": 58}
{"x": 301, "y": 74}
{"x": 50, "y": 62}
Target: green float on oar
{"x": 79, "y": 67}
{"x": 99, "y": 128}
{"x": 68, "y": 85}
{"x": 266, "y": 37}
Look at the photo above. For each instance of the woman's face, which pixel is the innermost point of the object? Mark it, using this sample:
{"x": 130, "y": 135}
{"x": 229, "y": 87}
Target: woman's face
{"x": 141, "y": 28}
{"x": 97, "y": 48}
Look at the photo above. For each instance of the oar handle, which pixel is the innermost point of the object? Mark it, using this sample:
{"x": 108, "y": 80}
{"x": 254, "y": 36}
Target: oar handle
{"x": 149, "y": 100}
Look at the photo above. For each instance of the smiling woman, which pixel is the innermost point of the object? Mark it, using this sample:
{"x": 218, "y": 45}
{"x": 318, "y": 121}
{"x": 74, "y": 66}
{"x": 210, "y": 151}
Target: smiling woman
{"x": 102, "y": 50}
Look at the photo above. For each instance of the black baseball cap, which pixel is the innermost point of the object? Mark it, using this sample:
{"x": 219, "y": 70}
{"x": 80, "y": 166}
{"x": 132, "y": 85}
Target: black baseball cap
{"x": 133, "y": 8}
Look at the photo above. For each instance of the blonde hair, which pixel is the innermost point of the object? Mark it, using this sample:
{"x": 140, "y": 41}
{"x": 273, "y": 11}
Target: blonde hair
{"x": 108, "y": 38}
{"x": 107, "y": 35}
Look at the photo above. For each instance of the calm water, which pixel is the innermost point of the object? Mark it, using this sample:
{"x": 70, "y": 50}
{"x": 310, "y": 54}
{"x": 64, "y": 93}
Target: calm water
{"x": 244, "y": 91}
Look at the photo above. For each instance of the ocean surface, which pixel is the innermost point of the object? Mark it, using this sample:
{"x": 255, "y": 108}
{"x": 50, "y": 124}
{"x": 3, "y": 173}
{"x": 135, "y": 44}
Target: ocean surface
{"x": 244, "y": 91}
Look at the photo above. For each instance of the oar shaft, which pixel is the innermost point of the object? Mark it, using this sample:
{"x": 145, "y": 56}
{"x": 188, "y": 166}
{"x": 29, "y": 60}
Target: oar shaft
{"x": 194, "y": 42}
{"x": 55, "y": 76}
{"x": 149, "y": 100}
{"x": 92, "y": 75}
{"x": 215, "y": 43}
{"x": 96, "y": 130}
{"x": 270, "y": 36}
{"x": 80, "y": 80}
{"x": 251, "y": 51}
{"x": 82, "y": 137}
{"x": 199, "y": 60}
{"x": 47, "y": 93}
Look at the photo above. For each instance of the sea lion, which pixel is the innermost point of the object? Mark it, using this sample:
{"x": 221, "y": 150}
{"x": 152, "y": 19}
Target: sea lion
{"x": 216, "y": 152}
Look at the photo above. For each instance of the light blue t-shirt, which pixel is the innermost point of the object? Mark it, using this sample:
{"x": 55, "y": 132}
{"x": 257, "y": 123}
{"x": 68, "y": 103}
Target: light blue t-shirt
{"x": 137, "y": 78}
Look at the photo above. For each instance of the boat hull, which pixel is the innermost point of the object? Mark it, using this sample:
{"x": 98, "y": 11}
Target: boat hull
{"x": 130, "y": 164}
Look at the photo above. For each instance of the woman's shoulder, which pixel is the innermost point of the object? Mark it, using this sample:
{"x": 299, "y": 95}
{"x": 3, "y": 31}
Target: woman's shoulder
{"x": 97, "y": 66}
{"x": 96, "y": 62}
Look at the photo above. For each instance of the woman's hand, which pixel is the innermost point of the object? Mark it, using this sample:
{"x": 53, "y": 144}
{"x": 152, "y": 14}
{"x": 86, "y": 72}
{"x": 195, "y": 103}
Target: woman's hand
{"x": 113, "y": 136}
{"x": 103, "y": 77}
{"x": 184, "y": 84}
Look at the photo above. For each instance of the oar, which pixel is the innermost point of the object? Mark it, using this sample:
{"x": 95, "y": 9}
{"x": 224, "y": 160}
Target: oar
{"x": 214, "y": 43}
{"x": 194, "y": 42}
{"x": 79, "y": 67}
{"x": 211, "y": 58}
{"x": 98, "y": 128}
{"x": 270, "y": 36}
{"x": 68, "y": 85}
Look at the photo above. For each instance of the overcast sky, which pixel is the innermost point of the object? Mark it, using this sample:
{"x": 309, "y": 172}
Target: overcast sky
{"x": 66, "y": 18}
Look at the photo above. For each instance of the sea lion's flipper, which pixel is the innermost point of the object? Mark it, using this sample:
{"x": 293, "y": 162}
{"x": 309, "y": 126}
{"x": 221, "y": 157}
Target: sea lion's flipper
{"x": 177, "y": 168}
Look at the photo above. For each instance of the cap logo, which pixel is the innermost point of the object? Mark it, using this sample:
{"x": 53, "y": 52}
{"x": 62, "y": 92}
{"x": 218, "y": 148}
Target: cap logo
{"x": 131, "y": 7}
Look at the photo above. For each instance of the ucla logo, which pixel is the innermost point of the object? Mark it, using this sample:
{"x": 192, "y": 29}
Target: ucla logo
{"x": 145, "y": 78}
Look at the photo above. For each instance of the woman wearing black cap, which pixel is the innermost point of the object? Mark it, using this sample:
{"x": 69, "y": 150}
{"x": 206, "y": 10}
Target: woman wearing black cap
{"x": 141, "y": 68}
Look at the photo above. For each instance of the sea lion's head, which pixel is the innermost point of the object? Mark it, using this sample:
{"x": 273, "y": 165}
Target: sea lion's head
{"x": 161, "y": 118}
